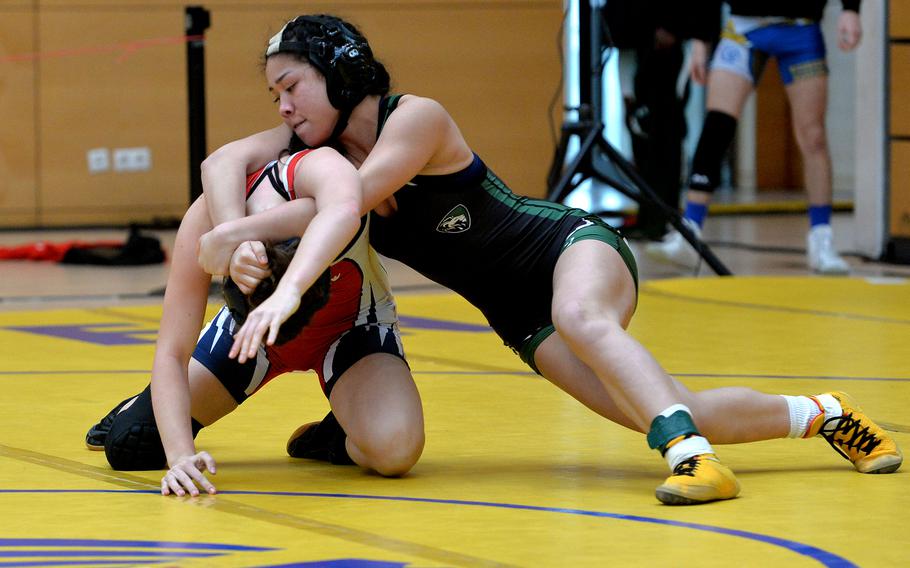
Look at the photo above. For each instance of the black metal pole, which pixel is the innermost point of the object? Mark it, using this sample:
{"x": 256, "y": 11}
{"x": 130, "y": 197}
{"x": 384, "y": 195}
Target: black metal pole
{"x": 584, "y": 56}
{"x": 197, "y": 20}
{"x": 595, "y": 62}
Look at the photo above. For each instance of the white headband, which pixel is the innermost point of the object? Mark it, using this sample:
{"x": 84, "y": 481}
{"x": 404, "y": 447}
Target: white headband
{"x": 275, "y": 42}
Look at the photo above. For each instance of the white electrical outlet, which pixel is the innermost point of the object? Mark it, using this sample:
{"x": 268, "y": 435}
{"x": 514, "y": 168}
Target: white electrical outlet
{"x": 99, "y": 160}
{"x": 142, "y": 159}
{"x": 121, "y": 159}
{"x": 132, "y": 159}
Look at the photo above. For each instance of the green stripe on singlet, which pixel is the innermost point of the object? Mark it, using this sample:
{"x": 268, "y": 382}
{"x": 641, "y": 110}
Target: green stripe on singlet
{"x": 538, "y": 208}
{"x": 390, "y": 105}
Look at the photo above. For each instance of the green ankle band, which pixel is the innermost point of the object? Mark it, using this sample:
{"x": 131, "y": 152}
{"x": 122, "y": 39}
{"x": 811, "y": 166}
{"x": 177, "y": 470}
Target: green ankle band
{"x": 665, "y": 429}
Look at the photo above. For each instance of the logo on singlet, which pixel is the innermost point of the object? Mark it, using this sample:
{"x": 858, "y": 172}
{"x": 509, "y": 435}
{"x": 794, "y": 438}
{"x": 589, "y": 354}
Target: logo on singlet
{"x": 458, "y": 220}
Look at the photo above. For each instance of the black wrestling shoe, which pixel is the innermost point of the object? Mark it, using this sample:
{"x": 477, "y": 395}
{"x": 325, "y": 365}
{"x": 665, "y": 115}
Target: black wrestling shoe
{"x": 97, "y": 434}
{"x": 323, "y": 441}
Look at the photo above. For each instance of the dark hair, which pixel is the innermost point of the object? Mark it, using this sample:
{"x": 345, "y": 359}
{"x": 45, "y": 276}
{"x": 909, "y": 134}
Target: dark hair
{"x": 339, "y": 51}
{"x": 313, "y": 300}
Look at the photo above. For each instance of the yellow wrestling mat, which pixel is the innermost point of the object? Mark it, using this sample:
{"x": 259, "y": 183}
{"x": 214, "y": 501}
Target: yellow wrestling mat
{"x": 515, "y": 473}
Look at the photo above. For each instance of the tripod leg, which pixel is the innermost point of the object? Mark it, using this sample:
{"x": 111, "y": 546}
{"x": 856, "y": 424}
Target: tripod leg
{"x": 672, "y": 213}
{"x": 700, "y": 247}
{"x": 559, "y": 158}
{"x": 581, "y": 162}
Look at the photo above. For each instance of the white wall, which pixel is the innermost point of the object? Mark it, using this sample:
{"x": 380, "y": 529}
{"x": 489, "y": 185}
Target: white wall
{"x": 870, "y": 100}
{"x": 841, "y": 104}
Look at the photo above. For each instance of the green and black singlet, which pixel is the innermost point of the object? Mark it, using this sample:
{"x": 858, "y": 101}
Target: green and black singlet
{"x": 470, "y": 233}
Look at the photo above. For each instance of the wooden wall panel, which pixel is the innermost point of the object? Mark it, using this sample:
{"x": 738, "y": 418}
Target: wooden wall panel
{"x": 496, "y": 79}
{"x": 239, "y": 103}
{"x": 899, "y": 19}
{"x": 494, "y": 66}
{"x": 111, "y": 93}
{"x": 778, "y": 162}
{"x": 899, "y": 87}
{"x": 17, "y": 115}
{"x": 899, "y": 206}
{"x": 899, "y": 129}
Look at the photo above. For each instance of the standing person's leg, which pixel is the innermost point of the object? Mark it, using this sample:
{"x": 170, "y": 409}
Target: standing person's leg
{"x": 727, "y": 95}
{"x": 808, "y": 98}
{"x": 657, "y": 142}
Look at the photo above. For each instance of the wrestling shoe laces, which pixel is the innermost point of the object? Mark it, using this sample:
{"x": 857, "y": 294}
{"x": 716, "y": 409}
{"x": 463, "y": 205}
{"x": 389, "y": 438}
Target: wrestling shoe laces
{"x": 700, "y": 479}
{"x": 858, "y": 439}
{"x": 97, "y": 434}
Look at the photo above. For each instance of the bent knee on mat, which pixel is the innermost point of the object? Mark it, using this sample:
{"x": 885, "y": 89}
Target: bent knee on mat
{"x": 391, "y": 452}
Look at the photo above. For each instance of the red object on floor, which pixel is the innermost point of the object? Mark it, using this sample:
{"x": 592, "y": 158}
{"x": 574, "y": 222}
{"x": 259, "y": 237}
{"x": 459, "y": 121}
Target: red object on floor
{"x": 45, "y": 250}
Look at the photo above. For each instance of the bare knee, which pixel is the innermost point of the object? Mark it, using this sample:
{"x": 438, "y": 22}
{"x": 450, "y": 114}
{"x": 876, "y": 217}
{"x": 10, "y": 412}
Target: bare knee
{"x": 579, "y": 321}
{"x": 391, "y": 448}
{"x": 812, "y": 139}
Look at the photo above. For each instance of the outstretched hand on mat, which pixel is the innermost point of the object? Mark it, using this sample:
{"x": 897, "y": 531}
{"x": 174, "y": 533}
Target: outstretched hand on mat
{"x": 188, "y": 472}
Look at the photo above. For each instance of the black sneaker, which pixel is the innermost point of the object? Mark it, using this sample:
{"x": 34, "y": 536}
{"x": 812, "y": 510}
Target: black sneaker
{"x": 94, "y": 439}
{"x": 323, "y": 441}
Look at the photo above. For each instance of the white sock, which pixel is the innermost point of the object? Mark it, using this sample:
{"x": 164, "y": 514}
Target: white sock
{"x": 688, "y": 448}
{"x": 803, "y": 411}
{"x": 832, "y": 406}
{"x": 671, "y": 409}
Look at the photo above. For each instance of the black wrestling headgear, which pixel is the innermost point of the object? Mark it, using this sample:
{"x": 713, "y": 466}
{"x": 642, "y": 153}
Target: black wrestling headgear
{"x": 341, "y": 54}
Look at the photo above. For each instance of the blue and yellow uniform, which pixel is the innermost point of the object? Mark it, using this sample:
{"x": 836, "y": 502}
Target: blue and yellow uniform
{"x": 789, "y": 31}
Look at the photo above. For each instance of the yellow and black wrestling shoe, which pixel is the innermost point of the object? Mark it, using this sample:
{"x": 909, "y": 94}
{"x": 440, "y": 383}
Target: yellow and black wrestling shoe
{"x": 700, "y": 479}
{"x": 856, "y": 437}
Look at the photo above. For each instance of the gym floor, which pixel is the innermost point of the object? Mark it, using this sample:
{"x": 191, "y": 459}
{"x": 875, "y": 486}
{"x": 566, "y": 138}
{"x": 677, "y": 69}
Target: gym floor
{"x": 515, "y": 473}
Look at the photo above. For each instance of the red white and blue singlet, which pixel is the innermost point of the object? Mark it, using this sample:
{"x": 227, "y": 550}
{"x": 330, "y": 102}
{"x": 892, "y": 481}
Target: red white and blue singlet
{"x": 359, "y": 319}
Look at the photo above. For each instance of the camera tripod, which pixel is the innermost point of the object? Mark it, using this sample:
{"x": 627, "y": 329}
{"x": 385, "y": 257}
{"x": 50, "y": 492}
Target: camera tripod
{"x": 596, "y": 158}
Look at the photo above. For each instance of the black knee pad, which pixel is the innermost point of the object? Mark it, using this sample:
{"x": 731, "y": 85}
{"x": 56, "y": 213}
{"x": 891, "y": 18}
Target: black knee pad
{"x": 133, "y": 443}
{"x": 715, "y": 138}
